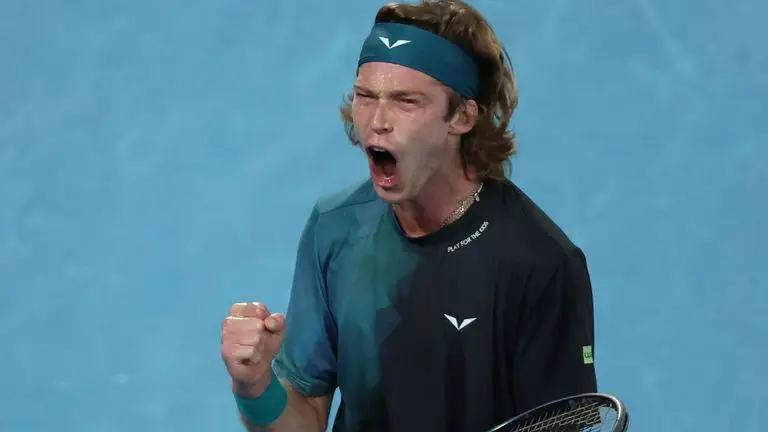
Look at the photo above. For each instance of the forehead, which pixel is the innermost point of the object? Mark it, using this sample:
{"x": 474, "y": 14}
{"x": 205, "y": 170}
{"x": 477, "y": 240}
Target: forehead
{"x": 382, "y": 76}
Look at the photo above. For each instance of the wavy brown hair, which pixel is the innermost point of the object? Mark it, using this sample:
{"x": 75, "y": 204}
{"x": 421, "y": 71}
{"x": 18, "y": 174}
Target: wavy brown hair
{"x": 488, "y": 147}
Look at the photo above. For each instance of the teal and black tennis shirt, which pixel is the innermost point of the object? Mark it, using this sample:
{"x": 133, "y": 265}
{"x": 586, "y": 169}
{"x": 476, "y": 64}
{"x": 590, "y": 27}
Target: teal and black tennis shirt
{"x": 455, "y": 331}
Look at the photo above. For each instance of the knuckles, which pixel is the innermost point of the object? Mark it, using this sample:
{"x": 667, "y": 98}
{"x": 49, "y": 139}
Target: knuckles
{"x": 251, "y": 338}
{"x": 238, "y": 324}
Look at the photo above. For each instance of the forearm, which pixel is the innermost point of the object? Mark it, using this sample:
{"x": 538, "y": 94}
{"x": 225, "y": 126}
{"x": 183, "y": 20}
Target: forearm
{"x": 301, "y": 414}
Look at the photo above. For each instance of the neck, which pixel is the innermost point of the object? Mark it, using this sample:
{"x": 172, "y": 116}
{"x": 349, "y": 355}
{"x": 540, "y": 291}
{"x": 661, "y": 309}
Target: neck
{"x": 438, "y": 198}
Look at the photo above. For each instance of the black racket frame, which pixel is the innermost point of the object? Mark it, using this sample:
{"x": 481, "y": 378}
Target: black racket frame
{"x": 622, "y": 414}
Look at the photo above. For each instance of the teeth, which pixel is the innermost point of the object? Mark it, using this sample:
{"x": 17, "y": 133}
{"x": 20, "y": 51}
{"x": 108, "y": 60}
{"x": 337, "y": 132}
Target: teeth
{"x": 378, "y": 149}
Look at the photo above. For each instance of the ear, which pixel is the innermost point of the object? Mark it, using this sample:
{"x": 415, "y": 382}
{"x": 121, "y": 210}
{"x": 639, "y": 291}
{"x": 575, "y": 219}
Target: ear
{"x": 464, "y": 119}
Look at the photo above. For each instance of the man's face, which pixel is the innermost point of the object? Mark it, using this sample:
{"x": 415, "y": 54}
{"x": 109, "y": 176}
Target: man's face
{"x": 399, "y": 117}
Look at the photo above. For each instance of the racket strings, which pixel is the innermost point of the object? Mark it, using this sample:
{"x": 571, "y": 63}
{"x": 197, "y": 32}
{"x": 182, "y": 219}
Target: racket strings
{"x": 581, "y": 418}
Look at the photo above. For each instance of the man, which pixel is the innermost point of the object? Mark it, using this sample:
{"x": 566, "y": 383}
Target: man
{"x": 435, "y": 295}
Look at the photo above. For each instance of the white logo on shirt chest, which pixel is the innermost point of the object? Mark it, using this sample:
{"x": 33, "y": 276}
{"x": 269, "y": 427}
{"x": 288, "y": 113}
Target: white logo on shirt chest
{"x": 469, "y": 238}
{"x": 454, "y": 322}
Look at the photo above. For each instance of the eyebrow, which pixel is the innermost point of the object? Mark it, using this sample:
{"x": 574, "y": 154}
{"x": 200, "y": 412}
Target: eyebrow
{"x": 394, "y": 93}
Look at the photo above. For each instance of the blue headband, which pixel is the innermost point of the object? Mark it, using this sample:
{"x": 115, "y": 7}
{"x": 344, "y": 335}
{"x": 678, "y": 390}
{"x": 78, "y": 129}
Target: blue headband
{"x": 423, "y": 51}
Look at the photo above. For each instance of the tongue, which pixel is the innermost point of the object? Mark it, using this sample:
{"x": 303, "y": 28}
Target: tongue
{"x": 388, "y": 168}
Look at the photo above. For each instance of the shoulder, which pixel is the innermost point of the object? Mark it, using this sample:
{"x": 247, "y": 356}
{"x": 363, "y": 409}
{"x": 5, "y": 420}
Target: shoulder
{"x": 354, "y": 197}
{"x": 534, "y": 237}
{"x": 346, "y": 213}
{"x": 540, "y": 252}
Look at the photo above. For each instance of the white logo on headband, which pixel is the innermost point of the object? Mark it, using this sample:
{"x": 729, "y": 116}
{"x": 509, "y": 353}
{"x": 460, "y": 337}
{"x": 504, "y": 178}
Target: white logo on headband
{"x": 400, "y": 42}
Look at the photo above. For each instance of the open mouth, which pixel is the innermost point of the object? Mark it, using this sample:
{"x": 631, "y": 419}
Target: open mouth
{"x": 383, "y": 165}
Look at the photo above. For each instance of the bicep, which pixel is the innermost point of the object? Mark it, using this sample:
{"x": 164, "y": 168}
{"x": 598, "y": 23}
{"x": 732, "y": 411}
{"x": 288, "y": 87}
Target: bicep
{"x": 554, "y": 349}
{"x": 320, "y": 406}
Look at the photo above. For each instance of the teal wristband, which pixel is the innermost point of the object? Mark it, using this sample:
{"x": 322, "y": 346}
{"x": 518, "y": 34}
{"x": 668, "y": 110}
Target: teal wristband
{"x": 266, "y": 408}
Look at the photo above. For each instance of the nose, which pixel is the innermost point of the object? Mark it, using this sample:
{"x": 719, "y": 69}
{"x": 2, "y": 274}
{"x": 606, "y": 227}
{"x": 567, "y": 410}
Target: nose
{"x": 380, "y": 122}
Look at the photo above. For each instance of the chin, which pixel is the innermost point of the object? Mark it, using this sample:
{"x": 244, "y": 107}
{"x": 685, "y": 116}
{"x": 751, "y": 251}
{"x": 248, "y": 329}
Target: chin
{"x": 391, "y": 195}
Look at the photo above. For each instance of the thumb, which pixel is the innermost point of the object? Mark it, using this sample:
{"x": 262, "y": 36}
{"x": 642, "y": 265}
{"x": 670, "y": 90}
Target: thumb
{"x": 275, "y": 323}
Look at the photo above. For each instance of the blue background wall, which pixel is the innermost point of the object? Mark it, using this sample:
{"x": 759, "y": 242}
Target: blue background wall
{"x": 158, "y": 159}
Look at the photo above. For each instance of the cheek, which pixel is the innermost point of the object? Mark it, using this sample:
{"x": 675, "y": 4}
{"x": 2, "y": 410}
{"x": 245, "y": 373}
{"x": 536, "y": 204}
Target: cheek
{"x": 361, "y": 115}
{"x": 429, "y": 133}
{"x": 426, "y": 148}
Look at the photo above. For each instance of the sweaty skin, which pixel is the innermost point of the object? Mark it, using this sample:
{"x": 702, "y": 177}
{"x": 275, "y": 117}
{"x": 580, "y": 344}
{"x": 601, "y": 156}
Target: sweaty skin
{"x": 404, "y": 111}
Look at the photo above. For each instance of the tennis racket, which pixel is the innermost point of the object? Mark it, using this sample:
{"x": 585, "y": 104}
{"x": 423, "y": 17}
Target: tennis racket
{"x": 589, "y": 412}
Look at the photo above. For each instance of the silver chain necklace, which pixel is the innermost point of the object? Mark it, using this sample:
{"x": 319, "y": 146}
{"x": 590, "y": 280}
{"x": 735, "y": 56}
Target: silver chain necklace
{"x": 464, "y": 204}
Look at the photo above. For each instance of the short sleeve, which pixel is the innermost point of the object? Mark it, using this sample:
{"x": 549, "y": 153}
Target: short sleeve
{"x": 554, "y": 353}
{"x": 307, "y": 358}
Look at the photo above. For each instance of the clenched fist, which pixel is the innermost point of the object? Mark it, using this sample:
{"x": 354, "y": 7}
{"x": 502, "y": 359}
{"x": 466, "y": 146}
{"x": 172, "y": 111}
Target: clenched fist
{"x": 250, "y": 338}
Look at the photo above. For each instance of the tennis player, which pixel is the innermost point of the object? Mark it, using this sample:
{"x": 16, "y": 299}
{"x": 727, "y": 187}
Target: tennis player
{"x": 436, "y": 295}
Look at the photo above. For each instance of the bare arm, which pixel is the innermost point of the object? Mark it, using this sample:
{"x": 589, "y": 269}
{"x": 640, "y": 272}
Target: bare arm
{"x": 302, "y": 414}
